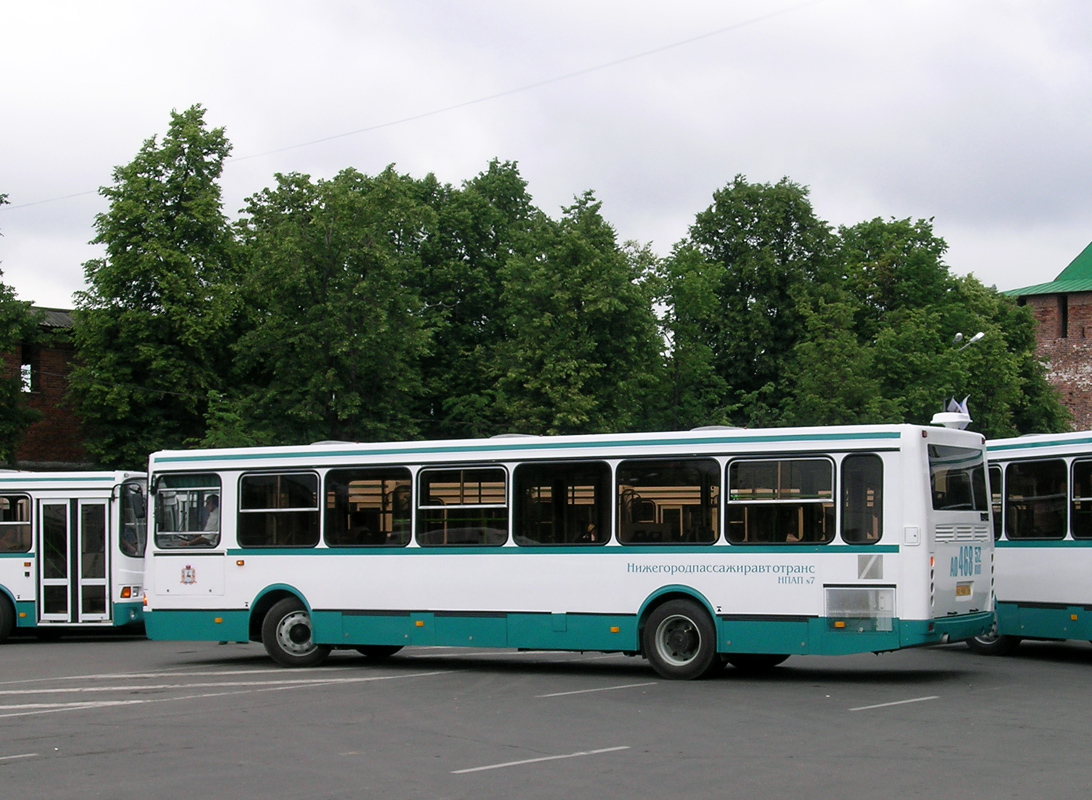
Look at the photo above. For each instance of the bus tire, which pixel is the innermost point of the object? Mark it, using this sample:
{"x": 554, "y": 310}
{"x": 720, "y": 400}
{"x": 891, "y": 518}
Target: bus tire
{"x": 756, "y": 662}
{"x": 7, "y": 618}
{"x": 993, "y": 644}
{"x": 377, "y": 652}
{"x": 286, "y": 634}
{"x": 680, "y": 641}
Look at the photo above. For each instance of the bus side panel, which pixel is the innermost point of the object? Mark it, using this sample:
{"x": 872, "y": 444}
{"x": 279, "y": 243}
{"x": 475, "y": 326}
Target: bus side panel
{"x": 26, "y": 614}
{"x": 454, "y": 629}
{"x": 594, "y": 632}
{"x": 198, "y": 626}
{"x": 367, "y": 627}
{"x": 765, "y": 635}
{"x": 1044, "y": 620}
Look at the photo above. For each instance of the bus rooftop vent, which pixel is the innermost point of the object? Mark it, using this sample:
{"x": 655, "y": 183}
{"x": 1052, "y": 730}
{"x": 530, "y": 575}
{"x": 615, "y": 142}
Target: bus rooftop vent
{"x": 955, "y": 415}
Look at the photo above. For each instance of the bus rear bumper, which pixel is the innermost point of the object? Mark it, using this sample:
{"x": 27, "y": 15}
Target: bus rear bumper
{"x": 946, "y": 629}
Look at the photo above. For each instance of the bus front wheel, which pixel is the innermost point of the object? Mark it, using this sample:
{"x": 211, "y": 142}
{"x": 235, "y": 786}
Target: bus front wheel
{"x": 680, "y": 641}
{"x": 7, "y": 618}
{"x": 286, "y": 634}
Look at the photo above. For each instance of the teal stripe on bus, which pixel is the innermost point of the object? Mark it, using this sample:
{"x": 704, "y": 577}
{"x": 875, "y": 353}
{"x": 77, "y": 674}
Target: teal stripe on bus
{"x": 634, "y": 551}
{"x": 1037, "y": 443}
{"x": 525, "y": 445}
{"x": 59, "y": 481}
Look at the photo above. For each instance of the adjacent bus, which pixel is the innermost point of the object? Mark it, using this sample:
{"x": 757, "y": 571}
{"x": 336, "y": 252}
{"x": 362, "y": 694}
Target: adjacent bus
{"x": 71, "y": 550}
{"x": 1042, "y": 515}
{"x": 692, "y": 549}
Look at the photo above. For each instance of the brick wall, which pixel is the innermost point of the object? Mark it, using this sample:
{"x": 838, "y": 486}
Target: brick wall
{"x": 53, "y": 442}
{"x": 1064, "y": 332}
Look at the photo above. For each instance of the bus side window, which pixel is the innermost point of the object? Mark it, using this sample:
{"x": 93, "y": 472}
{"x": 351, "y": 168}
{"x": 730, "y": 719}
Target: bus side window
{"x": 14, "y": 523}
{"x": 183, "y": 515}
{"x": 1035, "y": 499}
{"x": 368, "y": 507}
{"x": 668, "y": 502}
{"x": 781, "y": 501}
{"x": 278, "y": 510}
{"x": 862, "y": 499}
{"x": 462, "y": 507}
{"x": 1081, "y": 512}
{"x": 996, "y": 499}
{"x": 562, "y": 504}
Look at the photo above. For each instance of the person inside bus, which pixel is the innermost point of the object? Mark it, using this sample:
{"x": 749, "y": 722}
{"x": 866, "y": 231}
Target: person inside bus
{"x": 212, "y": 514}
{"x": 210, "y": 528}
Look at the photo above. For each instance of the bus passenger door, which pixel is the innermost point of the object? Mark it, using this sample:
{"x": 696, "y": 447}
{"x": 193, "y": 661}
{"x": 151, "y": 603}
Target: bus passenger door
{"x": 74, "y": 557}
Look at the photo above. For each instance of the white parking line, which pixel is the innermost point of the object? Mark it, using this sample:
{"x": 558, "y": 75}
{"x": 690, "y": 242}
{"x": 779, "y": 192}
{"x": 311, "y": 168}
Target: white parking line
{"x": 287, "y": 682}
{"x": 537, "y": 760}
{"x": 896, "y": 703}
{"x": 600, "y": 689}
{"x": 32, "y": 709}
{"x": 21, "y": 755}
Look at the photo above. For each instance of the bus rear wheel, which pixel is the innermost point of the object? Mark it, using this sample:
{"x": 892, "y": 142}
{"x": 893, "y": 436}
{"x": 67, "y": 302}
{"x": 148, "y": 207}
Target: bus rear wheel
{"x": 286, "y": 634}
{"x": 993, "y": 644}
{"x": 679, "y": 641}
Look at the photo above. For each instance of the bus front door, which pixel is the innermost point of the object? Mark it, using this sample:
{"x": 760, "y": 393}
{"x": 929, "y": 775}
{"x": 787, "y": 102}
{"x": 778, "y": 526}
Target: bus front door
{"x": 73, "y": 568}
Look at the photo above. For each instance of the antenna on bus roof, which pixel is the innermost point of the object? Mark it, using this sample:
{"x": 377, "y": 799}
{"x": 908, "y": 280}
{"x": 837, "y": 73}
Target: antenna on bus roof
{"x": 956, "y": 415}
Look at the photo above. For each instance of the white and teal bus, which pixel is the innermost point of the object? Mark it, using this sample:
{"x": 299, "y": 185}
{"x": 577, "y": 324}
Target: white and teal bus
{"x": 691, "y": 548}
{"x": 71, "y": 550}
{"x": 1042, "y": 515}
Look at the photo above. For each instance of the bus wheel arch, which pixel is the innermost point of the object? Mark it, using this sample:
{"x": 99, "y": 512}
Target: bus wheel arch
{"x": 678, "y": 635}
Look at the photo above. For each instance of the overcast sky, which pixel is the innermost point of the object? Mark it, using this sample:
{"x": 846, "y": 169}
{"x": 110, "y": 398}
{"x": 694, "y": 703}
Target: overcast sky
{"x": 976, "y": 114}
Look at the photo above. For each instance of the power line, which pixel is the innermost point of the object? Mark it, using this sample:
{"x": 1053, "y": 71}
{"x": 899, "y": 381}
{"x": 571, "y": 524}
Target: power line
{"x": 538, "y": 84}
{"x": 497, "y": 95}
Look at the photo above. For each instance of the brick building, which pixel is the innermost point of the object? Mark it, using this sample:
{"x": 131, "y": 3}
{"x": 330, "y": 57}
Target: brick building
{"x": 1063, "y": 311}
{"x": 53, "y": 442}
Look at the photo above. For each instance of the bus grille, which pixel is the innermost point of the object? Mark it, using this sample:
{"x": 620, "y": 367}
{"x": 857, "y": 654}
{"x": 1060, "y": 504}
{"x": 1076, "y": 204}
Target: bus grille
{"x": 962, "y": 533}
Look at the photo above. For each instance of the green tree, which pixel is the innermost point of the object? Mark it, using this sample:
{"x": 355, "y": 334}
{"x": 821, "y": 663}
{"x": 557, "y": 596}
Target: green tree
{"x": 909, "y": 309}
{"x": 480, "y": 227}
{"x": 695, "y": 392}
{"x": 334, "y": 332}
{"x": 153, "y": 328}
{"x": 832, "y": 380}
{"x": 582, "y": 349}
{"x": 768, "y": 261}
